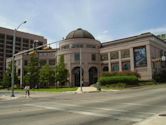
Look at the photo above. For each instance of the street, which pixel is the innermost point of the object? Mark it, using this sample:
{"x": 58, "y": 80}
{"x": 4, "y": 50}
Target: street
{"x": 125, "y": 107}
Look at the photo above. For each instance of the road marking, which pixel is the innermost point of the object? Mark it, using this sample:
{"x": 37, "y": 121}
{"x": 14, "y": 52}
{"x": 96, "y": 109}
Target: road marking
{"x": 136, "y": 104}
{"x": 69, "y": 110}
{"x": 139, "y": 104}
{"x": 87, "y": 113}
{"x": 110, "y": 109}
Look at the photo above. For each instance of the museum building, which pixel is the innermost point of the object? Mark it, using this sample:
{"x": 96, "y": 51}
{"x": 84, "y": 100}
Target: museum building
{"x": 141, "y": 53}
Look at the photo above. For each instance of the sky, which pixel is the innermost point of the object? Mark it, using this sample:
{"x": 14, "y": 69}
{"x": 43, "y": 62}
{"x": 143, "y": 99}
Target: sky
{"x": 106, "y": 19}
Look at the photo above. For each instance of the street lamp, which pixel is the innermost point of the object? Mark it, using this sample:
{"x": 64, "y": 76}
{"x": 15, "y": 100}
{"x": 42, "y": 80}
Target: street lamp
{"x": 14, "y": 41}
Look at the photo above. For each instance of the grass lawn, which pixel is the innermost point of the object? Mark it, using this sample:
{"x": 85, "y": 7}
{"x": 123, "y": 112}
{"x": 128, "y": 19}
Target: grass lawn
{"x": 50, "y": 89}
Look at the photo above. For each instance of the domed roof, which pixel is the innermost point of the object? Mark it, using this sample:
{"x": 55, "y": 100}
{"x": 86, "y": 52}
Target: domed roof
{"x": 79, "y": 33}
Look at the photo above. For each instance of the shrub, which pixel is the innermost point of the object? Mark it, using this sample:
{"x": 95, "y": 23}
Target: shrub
{"x": 124, "y": 73}
{"x": 117, "y": 85}
{"x": 160, "y": 77}
{"x": 118, "y": 79}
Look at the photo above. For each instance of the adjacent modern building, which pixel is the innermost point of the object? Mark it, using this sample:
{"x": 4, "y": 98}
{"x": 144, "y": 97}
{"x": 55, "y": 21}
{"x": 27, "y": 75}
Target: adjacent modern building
{"x": 141, "y": 53}
{"x": 162, "y": 36}
{"x": 24, "y": 41}
{"x": 48, "y": 56}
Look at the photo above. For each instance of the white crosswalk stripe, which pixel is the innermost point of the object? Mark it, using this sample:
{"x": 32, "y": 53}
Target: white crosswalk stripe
{"x": 109, "y": 112}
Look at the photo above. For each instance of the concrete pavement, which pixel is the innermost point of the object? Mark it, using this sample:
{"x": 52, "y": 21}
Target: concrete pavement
{"x": 127, "y": 107}
{"x": 154, "y": 120}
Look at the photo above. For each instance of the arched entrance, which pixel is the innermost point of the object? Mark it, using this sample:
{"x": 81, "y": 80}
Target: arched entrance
{"x": 93, "y": 73}
{"x": 76, "y": 75}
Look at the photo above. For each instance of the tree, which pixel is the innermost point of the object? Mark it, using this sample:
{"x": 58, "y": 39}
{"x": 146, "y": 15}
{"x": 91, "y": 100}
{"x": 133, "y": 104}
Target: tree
{"x": 6, "y": 82}
{"x": 32, "y": 72}
{"x": 46, "y": 76}
{"x": 61, "y": 73}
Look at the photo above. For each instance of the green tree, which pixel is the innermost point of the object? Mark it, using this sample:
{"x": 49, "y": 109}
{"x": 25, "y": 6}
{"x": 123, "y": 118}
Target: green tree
{"x": 32, "y": 72}
{"x": 61, "y": 73}
{"x": 6, "y": 82}
{"x": 46, "y": 76}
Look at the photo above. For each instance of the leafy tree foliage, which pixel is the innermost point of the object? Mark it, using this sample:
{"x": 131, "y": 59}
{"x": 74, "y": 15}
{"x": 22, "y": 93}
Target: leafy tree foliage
{"x": 61, "y": 73}
{"x": 46, "y": 76}
{"x": 32, "y": 72}
{"x": 6, "y": 82}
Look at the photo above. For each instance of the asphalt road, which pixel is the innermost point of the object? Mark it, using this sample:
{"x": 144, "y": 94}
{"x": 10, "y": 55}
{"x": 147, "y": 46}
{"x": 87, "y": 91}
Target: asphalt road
{"x": 125, "y": 107}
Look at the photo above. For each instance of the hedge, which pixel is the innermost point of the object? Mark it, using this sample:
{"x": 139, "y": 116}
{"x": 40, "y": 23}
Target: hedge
{"x": 106, "y": 80}
{"x": 123, "y": 73}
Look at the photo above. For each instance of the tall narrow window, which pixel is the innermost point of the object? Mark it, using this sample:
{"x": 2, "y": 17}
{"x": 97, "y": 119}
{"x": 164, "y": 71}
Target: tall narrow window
{"x": 93, "y": 57}
{"x": 104, "y": 56}
{"x": 126, "y": 66}
{"x": 114, "y": 55}
{"x": 125, "y": 53}
{"x": 77, "y": 56}
{"x": 115, "y": 67}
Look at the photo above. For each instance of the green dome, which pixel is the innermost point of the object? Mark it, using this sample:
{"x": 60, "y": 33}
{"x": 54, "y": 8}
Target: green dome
{"x": 79, "y": 33}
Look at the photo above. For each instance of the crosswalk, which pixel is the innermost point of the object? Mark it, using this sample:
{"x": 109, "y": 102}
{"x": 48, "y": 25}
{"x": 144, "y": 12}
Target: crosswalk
{"x": 124, "y": 112}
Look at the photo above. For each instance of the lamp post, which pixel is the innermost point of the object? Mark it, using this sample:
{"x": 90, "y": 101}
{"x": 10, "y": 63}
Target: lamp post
{"x": 14, "y": 41}
{"x": 81, "y": 69}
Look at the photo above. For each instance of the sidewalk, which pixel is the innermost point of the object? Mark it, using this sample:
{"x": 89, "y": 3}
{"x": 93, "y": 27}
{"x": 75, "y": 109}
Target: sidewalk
{"x": 86, "y": 89}
{"x": 155, "y": 120}
{"x": 18, "y": 95}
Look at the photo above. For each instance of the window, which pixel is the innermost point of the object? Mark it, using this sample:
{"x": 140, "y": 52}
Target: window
{"x": 114, "y": 55}
{"x": 126, "y": 65}
{"x": 77, "y": 46}
{"x": 2, "y": 36}
{"x": 140, "y": 58}
{"x": 51, "y": 62}
{"x": 125, "y": 53}
{"x": 115, "y": 67}
{"x": 104, "y": 56}
{"x": 77, "y": 56}
{"x": 18, "y": 39}
{"x": 105, "y": 69}
{"x": 25, "y": 62}
{"x": 93, "y": 57}
{"x": 65, "y": 47}
{"x": 90, "y": 46}
{"x": 9, "y": 37}
{"x": 43, "y": 62}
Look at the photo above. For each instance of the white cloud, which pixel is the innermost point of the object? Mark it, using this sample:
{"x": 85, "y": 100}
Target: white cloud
{"x": 4, "y": 22}
{"x": 158, "y": 30}
{"x": 104, "y": 36}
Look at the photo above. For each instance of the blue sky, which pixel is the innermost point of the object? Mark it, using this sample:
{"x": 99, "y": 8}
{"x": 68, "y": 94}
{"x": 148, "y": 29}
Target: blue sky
{"x": 105, "y": 19}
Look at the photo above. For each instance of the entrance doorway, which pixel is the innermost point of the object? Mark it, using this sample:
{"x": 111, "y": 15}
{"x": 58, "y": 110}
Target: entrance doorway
{"x": 93, "y": 74}
{"x": 76, "y": 75}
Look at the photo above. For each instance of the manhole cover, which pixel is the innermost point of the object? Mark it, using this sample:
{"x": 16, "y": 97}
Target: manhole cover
{"x": 162, "y": 114}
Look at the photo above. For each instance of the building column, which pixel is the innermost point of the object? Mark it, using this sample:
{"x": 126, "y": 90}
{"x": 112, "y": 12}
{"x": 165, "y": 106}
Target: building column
{"x": 70, "y": 73}
{"x": 109, "y": 62}
{"x": 149, "y": 65}
{"x": 131, "y": 59}
{"x": 85, "y": 74}
{"x": 21, "y": 44}
{"x": 120, "y": 61}
{"x": 4, "y": 54}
